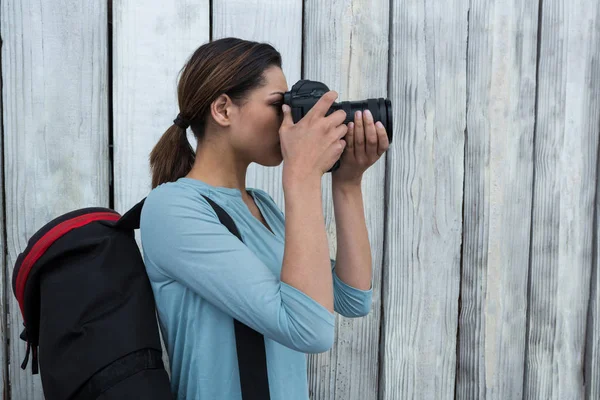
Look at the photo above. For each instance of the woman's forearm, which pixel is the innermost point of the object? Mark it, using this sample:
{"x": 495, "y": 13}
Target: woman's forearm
{"x": 306, "y": 264}
{"x": 353, "y": 258}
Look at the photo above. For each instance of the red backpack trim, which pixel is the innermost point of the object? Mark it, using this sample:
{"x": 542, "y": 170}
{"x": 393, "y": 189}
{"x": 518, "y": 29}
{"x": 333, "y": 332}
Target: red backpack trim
{"x": 47, "y": 240}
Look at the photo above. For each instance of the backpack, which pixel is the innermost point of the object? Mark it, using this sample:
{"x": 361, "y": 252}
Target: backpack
{"x": 87, "y": 305}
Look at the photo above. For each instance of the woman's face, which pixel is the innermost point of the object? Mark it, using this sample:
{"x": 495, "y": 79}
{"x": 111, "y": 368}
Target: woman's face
{"x": 256, "y": 123}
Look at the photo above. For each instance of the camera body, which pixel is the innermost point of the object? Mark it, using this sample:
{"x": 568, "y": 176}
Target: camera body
{"x": 305, "y": 94}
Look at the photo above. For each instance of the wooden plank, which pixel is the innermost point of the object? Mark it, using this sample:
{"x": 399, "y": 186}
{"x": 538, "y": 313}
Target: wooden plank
{"x": 151, "y": 43}
{"x": 5, "y": 289}
{"x": 54, "y": 60}
{"x": 278, "y": 23}
{"x": 592, "y": 345}
{"x": 346, "y": 47}
{"x": 591, "y": 378}
{"x": 566, "y": 146}
{"x": 425, "y": 199}
{"x": 501, "y": 65}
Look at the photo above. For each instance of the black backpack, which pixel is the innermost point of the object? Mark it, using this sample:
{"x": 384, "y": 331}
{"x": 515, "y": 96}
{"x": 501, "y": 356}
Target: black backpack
{"x": 87, "y": 304}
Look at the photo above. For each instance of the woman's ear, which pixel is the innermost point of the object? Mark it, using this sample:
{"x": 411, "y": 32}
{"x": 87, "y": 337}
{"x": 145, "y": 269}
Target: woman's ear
{"x": 220, "y": 109}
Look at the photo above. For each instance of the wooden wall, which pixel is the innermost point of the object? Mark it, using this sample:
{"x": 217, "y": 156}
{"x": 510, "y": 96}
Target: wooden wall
{"x": 483, "y": 215}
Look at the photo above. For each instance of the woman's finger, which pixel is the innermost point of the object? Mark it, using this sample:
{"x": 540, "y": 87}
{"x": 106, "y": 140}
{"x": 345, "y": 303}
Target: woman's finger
{"x": 382, "y": 138}
{"x": 359, "y": 136}
{"x": 370, "y": 135}
{"x": 350, "y": 138}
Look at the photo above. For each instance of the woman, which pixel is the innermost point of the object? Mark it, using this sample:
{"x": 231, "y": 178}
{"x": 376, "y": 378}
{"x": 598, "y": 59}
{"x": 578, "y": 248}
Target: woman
{"x": 280, "y": 280}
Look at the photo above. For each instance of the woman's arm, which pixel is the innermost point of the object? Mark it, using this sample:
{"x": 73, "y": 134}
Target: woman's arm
{"x": 306, "y": 265}
{"x": 183, "y": 240}
{"x": 353, "y": 257}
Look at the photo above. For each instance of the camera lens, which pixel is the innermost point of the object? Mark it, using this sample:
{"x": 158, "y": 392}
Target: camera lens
{"x": 381, "y": 109}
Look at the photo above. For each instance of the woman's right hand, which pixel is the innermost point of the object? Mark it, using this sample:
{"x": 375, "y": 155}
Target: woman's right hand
{"x": 313, "y": 145}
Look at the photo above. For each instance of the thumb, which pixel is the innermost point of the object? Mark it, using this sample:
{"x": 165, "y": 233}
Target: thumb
{"x": 287, "y": 115}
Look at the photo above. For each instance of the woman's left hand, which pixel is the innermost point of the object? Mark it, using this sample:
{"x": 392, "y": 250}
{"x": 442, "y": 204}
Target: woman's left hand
{"x": 366, "y": 141}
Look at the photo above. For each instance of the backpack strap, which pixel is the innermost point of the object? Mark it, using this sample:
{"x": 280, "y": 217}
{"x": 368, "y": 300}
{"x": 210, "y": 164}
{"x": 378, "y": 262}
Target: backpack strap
{"x": 131, "y": 219}
{"x": 250, "y": 344}
{"x": 118, "y": 371}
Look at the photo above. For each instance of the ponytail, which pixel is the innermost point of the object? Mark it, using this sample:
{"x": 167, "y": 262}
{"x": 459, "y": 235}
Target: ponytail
{"x": 172, "y": 157}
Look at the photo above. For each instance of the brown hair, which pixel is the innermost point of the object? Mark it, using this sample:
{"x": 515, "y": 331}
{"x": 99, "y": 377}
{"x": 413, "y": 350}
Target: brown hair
{"x": 229, "y": 66}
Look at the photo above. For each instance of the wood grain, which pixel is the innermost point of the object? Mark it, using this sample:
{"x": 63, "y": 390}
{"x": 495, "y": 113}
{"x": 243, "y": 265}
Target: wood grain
{"x": 346, "y": 47}
{"x": 151, "y": 43}
{"x": 279, "y": 23}
{"x": 501, "y": 65}
{"x": 54, "y": 60}
{"x": 484, "y": 233}
{"x": 566, "y": 147}
{"x": 5, "y": 289}
{"x": 592, "y": 344}
{"x": 424, "y": 200}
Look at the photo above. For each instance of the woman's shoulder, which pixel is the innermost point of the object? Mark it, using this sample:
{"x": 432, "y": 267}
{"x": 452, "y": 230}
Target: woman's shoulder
{"x": 172, "y": 193}
{"x": 174, "y": 198}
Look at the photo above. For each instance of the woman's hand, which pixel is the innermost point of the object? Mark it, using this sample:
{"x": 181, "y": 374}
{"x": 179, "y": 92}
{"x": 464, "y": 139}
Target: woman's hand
{"x": 366, "y": 141}
{"x": 313, "y": 145}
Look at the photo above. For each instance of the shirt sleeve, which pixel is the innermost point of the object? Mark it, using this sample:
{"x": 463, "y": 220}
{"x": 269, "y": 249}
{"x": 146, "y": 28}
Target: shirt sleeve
{"x": 184, "y": 239}
{"x": 349, "y": 301}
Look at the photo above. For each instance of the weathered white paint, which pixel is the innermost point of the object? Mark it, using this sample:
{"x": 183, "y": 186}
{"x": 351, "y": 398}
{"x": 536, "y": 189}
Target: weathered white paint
{"x": 4, "y": 289}
{"x": 461, "y": 116}
{"x": 279, "y": 23}
{"x": 340, "y": 51}
{"x": 424, "y": 199}
{"x": 54, "y": 60}
{"x": 151, "y": 44}
{"x": 592, "y": 345}
{"x": 497, "y": 205}
{"x": 566, "y": 149}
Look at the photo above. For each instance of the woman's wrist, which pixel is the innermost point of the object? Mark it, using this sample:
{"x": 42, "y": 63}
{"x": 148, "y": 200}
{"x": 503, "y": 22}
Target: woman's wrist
{"x": 346, "y": 184}
{"x": 294, "y": 180}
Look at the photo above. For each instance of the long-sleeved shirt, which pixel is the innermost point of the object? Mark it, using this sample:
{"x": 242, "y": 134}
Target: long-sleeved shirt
{"x": 203, "y": 276}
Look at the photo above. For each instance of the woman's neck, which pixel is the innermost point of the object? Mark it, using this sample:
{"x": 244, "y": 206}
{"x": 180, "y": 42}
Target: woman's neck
{"x": 219, "y": 167}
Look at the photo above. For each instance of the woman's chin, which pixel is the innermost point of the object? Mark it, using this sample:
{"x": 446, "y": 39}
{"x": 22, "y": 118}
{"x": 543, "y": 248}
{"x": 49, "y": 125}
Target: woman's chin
{"x": 274, "y": 161}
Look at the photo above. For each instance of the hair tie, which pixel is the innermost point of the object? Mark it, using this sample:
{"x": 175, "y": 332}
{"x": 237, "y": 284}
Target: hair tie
{"x": 181, "y": 122}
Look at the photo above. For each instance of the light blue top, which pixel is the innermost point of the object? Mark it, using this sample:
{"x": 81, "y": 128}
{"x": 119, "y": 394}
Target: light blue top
{"x": 202, "y": 277}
